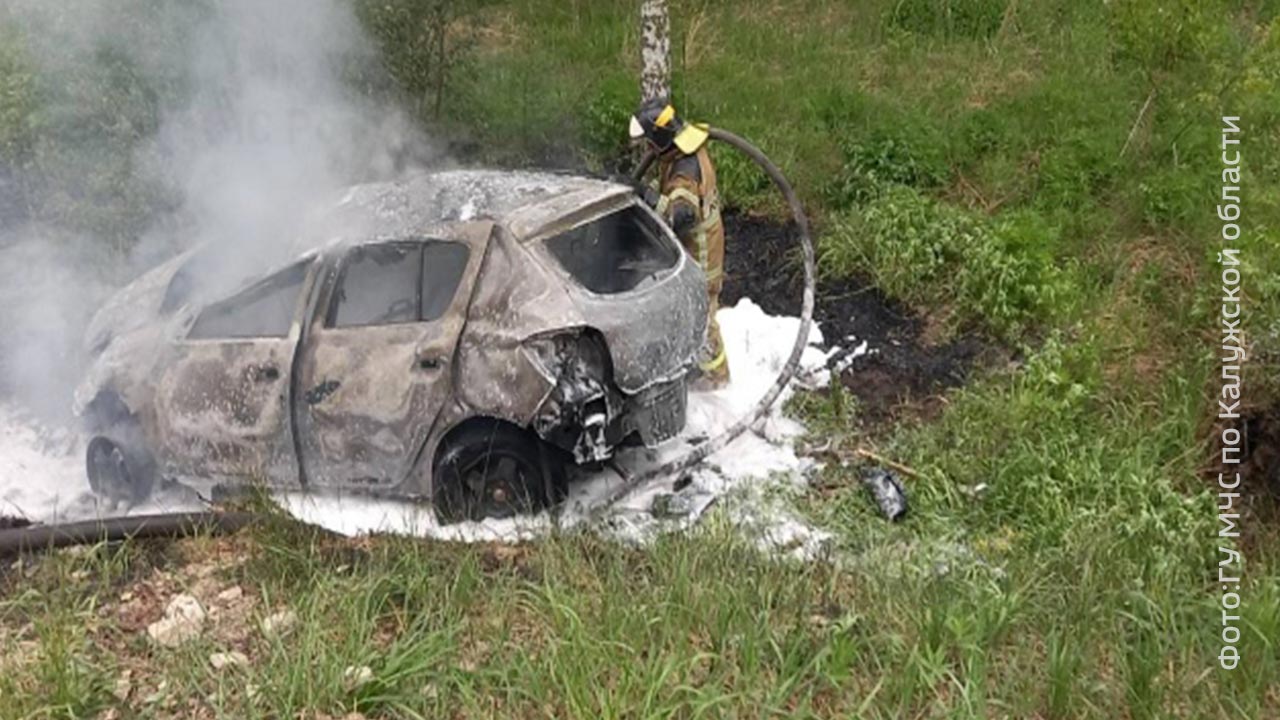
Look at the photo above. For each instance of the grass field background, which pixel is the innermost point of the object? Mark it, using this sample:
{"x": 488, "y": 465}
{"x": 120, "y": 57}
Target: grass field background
{"x": 1041, "y": 173}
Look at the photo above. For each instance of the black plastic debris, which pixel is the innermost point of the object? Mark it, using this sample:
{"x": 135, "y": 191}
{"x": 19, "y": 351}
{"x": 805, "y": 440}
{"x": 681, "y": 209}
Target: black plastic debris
{"x": 887, "y": 490}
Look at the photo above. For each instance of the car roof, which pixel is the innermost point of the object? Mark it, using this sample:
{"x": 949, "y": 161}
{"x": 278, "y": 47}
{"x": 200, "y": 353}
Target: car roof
{"x": 419, "y": 205}
{"x": 522, "y": 200}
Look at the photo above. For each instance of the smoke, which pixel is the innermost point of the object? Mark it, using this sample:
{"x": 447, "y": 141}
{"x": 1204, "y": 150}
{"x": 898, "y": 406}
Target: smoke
{"x": 155, "y": 125}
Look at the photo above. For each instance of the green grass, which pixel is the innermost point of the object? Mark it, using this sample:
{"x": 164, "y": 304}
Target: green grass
{"x": 912, "y": 622}
{"x": 985, "y": 161}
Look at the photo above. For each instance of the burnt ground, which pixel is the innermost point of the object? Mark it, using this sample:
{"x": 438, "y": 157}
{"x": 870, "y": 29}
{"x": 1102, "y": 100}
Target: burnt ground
{"x": 905, "y": 374}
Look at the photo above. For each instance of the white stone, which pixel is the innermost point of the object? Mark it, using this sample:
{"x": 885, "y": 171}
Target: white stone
{"x": 223, "y": 660}
{"x": 353, "y": 677}
{"x": 279, "y": 623}
{"x": 183, "y": 620}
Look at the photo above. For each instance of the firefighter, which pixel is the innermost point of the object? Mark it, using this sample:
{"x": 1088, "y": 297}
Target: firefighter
{"x": 684, "y": 194}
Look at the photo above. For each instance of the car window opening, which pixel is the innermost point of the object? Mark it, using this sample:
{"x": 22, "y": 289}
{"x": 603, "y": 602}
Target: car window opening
{"x": 381, "y": 285}
{"x": 397, "y": 283}
{"x": 443, "y": 264}
{"x": 616, "y": 253}
{"x": 264, "y": 310}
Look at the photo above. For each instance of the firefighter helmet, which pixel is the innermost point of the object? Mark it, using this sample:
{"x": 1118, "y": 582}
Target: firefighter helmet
{"x": 656, "y": 121}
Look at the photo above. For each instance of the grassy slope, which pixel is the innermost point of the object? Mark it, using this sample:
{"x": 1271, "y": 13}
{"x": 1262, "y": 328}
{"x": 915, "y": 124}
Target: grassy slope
{"x": 972, "y": 166}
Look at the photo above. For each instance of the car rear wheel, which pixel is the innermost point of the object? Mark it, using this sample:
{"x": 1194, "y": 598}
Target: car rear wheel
{"x": 495, "y": 470}
{"x": 119, "y": 473}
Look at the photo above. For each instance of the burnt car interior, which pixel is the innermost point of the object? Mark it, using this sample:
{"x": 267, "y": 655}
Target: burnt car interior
{"x": 616, "y": 253}
{"x": 264, "y": 310}
{"x": 397, "y": 282}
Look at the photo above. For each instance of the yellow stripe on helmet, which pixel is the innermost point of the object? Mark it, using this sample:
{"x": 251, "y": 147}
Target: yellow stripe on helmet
{"x": 665, "y": 116}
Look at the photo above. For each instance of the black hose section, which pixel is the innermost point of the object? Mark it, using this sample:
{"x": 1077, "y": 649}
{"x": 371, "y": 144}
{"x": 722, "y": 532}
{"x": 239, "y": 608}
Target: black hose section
{"x": 646, "y": 162}
{"x": 792, "y": 365}
{"x": 36, "y": 538}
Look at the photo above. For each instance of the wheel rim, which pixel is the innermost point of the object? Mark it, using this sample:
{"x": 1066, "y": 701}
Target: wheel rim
{"x": 499, "y": 485}
{"x": 109, "y": 470}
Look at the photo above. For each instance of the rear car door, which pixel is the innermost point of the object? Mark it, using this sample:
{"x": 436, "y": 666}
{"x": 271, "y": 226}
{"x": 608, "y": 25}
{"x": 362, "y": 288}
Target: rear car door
{"x": 376, "y": 365}
{"x": 223, "y": 402}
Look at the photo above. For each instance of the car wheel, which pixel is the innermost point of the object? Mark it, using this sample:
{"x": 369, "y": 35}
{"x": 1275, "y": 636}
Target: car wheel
{"x": 495, "y": 470}
{"x": 118, "y": 473}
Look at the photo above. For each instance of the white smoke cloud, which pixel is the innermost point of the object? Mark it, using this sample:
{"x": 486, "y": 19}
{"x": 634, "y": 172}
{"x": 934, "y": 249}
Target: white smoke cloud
{"x": 256, "y": 121}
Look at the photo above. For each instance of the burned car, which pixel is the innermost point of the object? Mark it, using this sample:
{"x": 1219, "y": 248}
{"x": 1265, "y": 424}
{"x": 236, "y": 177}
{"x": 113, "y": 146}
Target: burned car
{"x": 461, "y": 337}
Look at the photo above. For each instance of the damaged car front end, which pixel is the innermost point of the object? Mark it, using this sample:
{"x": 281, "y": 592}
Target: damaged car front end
{"x": 617, "y": 312}
{"x": 586, "y": 414}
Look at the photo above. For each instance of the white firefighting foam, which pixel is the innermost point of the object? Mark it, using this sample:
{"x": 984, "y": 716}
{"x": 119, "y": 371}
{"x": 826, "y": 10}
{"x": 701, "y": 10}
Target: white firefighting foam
{"x": 42, "y": 472}
{"x": 42, "y": 476}
{"x": 758, "y": 346}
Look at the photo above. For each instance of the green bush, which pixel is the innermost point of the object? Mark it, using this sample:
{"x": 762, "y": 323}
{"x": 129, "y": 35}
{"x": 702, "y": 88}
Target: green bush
{"x": 886, "y": 146}
{"x": 1076, "y": 170}
{"x": 423, "y": 50}
{"x": 603, "y": 121}
{"x": 996, "y": 274}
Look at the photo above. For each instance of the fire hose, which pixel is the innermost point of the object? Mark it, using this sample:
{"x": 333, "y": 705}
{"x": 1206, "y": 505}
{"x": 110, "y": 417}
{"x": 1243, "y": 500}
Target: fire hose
{"x": 792, "y": 366}
{"x": 44, "y": 537}
{"x": 36, "y": 538}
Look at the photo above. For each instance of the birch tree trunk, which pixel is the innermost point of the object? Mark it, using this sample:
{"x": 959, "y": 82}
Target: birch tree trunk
{"x": 655, "y": 49}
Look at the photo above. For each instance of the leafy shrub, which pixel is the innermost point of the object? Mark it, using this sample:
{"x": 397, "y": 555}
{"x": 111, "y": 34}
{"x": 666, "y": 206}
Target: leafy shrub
{"x": 886, "y": 158}
{"x": 1174, "y": 197}
{"x": 971, "y": 19}
{"x": 603, "y": 121}
{"x": 740, "y": 181}
{"x": 423, "y": 49}
{"x": 993, "y": 274}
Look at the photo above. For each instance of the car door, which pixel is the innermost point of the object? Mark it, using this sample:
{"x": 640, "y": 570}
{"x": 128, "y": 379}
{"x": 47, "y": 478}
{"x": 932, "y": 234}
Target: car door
{"x": 376, "y": 365}
{"x": 223, "y": 401}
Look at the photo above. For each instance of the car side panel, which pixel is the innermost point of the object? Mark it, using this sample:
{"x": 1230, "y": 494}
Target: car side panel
{"x": 222, "y": 411}
{"x": 368, "y": 397}
{"x": 223, "y": 406}
{"x": 514, "y": 299}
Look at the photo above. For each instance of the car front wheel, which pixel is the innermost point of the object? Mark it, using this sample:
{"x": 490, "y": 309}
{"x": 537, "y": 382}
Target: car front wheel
{"x": 495, "y": 470}
{"x": 119, "y": 473}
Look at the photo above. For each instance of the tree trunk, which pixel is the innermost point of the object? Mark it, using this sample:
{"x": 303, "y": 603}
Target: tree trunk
{"x": 655, "y": 49}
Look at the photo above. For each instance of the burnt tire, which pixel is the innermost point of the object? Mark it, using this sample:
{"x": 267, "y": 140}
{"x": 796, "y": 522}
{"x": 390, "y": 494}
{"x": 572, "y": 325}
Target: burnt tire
{"x": 119, "y": 471}
{"x": 495, "y": 470}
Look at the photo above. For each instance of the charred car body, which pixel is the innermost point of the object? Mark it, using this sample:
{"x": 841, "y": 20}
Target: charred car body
{"x": 459, "y": 336}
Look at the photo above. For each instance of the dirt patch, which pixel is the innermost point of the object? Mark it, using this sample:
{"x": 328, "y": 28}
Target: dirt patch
{"x": 903, "y": 373}
{"x": 1262, "y": 450}
{"x": 1259, "y": 489}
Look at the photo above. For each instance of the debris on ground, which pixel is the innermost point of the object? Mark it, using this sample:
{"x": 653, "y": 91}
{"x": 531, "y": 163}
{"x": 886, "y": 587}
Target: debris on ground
{"x": 887, "y": 491}
{"x": 235, "y": 658}
{"x": 279, "y": 623}
{"x": 354, "y": 677}
{"x": 183, "y": 621}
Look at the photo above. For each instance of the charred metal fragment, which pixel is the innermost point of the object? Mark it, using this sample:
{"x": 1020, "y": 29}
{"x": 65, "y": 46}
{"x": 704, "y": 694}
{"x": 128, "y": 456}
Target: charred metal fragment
{"x": 578, "y": 414}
